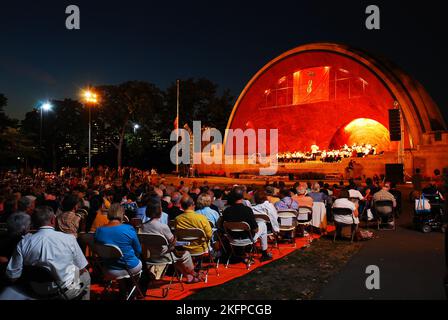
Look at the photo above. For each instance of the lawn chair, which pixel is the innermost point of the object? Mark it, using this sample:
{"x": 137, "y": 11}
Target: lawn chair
{"x": 152, "y": 248}
{"x": 287, "y": 220}
{"x": 110, "y": 252}
{"x": 86, "y": 242}
{"x": 339, "y": 226}
{"x": 246, "y": 240}
{"x": 198, "y": 236}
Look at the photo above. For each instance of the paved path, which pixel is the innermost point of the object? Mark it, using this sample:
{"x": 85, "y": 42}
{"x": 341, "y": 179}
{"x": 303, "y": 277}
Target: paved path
{"x": 411, "y": 263}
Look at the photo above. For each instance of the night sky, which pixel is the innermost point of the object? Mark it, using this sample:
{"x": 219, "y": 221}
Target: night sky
{"x": 224, "y": 41}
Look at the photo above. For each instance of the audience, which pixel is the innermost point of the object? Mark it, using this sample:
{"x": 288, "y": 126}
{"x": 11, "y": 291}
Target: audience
{"x": 203, "y": 207}
{"x": 238, "y": 212}
{"x": 286, "y": 202}
{"x": 68, "y": 220}
{"x": 263, "y": 206}
{"x": 190, "y": 219}
{"x": 302, "y": 198}
{"x": 56, "y": 251}
{"x": 344, "y": 202}
{"x": 123, "y": 236}
{"x": 183, "y": 258}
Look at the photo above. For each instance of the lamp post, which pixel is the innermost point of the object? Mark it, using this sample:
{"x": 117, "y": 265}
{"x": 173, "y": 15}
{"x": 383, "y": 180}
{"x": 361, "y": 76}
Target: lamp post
{"x": 44, "y": 107}
{"x": 90, "y": 98}
{"x": 136, "y": 127}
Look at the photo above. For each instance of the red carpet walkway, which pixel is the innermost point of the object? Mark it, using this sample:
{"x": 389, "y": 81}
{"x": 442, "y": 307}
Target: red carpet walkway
{"x": 234, "y": 271}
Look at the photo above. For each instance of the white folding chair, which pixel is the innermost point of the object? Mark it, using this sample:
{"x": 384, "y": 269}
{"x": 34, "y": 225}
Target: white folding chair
{"x": 152, "y": 248}
{"x": 246, "y": 239}
{"x": 287, "y": 221}
{"x": 198, "y": 237}
{"x": 110, "y": 252}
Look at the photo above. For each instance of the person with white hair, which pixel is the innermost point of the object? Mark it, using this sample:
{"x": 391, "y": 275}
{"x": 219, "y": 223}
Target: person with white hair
{"x": 57, "y": 251}
{"x": 203, "y": 207}
{"x": 18, "y": 225}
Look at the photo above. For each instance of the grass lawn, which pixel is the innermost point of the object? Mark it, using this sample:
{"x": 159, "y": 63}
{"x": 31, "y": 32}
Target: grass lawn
{"x": 300, "y": 275}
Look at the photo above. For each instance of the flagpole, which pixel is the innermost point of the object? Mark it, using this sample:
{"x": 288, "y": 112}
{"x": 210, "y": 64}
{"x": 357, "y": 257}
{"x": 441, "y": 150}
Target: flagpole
{"x": 177, "y": 130}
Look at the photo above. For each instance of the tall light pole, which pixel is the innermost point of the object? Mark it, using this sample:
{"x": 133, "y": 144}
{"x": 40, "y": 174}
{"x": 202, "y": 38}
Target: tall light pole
{"x": 44, "y": 107}
{"x": 90, "y": 98}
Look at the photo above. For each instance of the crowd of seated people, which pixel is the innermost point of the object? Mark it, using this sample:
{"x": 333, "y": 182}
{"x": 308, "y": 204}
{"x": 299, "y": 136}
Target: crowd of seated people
{"x": 334, "y": 155}
{"x": 52, "y": 211}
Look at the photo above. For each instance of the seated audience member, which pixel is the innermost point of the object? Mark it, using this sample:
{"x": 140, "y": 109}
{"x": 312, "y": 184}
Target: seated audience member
{"x": 212, "y": 199}
{"x": 54, "y": 250}
{"x": 9, "y": 207}
{"x": 96, "y": 202}
{"x": 18, "y": 225}
{"x": 263, "y": 206}
{"x": 344, "y": 202}
{"x": 302, "y": 198}
{"x": 286, "y": 202}
{"x": 125, "y": 237}
{"x": 68, "y": 221}
{"x": 101, "y": 215}
{"x": 219, "y": 202}
{"x": 381, "y": 195}
{"x": 317, "y": 195}
{"x": 141, "y": 211}
{"x": 190, "y": 219}
{"x": 184, "y": 262}
{"x": 270, "y": 193}
{"x": 26, "y": 205}
{"x": 238, "y": 212}
{"x": 355, "y": 194}
{"x": 203, "y": 207}
{"x": 176, "y": 209}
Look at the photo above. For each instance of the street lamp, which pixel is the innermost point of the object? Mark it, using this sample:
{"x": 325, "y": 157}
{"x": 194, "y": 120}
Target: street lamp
{"x": 90, "y": 98}
{"x": 136, "y": 126}
{"x": 46, "y": 106}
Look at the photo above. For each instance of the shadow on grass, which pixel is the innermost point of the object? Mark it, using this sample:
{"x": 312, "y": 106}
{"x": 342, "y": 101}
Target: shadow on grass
{"x": 300, "y": 275}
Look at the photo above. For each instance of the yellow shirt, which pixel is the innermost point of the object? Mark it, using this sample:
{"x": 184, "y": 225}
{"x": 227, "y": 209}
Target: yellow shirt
{"x": 190, "y": 219}
{"x": 100, "y": 220}
{"x": 273, "y": 200}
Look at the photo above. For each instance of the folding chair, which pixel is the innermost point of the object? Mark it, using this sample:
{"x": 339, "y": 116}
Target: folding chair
{"x": 287, "y": 220}
{"x": 384, "y": 209}
{"x": 86, "y": 241}
{"x": 339, "y": 226}
{"x": 110, "y": 252}
{"x": 304, "y": 218}
{"x": 244, "y": 230}
{"x": 42, "y": 275}
{"x": 271, "y": 233}
{"x": 199, "y": 237}
{"x": 152, "y": 248}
